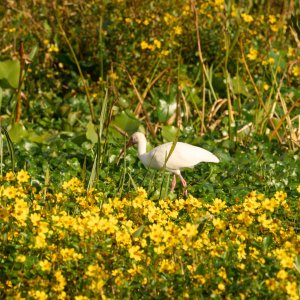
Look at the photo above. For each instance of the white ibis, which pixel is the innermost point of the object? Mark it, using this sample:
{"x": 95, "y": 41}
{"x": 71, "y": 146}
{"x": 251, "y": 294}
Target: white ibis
{"x": 182, "y": 156}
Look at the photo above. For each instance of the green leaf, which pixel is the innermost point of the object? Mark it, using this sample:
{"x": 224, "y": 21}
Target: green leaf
{"x": 33, "y": 52}
{"x": 138, "y": 232}
{"x": 9, "y": 73}
{"x": 17, "y": 132}
{"x": 239, "y": 86}
{"x": 165, "y": 109}
{"x": 10, "y": 147}
{"x": 127, "y": 121}
{"x": 297, "y": 263}
{"x": 267, "y": 241}
{"x": 91, "y": 133}
{"x": 169, "y": 133}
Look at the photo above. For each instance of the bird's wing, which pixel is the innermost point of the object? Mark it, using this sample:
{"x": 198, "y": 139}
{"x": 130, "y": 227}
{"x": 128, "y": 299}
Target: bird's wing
{"x": 187, "y": 156}
{"x": 183, "y": 156}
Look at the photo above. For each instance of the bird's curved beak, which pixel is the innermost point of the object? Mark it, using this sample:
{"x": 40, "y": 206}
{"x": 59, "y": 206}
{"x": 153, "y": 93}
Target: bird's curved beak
{"x": 128, "y": 145}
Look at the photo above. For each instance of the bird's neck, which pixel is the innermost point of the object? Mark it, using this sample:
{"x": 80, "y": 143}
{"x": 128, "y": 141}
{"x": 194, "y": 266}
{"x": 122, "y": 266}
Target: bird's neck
{"x": 142, "y": 146}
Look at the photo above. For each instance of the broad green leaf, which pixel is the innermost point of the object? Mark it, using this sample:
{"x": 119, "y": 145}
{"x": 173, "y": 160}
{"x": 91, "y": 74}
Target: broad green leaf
{"x": 10, "y": 147}
{"x": 297, "y": 264}
{"x": 91, "y": 133}
{"x": 267, "y": 241}
{"x": 239, "y": 86}
{"x": 169, "y": 133}
{"x": 138, "y": 232}
{"x": 33, "y": 52}
{"x": 17, "y": 132}
{"x": 10, "y": 72}
{"x": 166, "y": 109}
{"x": 1, "y": 96}
{"x": 127, "y": 121}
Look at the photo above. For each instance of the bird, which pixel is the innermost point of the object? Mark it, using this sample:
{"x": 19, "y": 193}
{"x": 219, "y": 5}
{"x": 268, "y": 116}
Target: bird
{"x": 169, "y": 157}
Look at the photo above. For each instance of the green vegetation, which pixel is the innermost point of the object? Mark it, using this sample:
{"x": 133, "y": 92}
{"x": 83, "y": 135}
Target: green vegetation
{"x": 77, "y": 78}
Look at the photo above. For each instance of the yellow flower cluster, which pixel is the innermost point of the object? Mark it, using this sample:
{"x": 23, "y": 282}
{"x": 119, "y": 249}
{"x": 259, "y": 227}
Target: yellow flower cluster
{"x": 74, "y": 244}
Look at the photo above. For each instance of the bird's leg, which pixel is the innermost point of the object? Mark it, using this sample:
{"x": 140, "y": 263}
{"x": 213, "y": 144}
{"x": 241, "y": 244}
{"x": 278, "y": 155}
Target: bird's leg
{"x": 184, "y": 184}
{"x": 173, "y": 183}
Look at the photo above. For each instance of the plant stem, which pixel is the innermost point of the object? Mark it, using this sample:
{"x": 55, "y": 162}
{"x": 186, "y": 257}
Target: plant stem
{"x": 22, "y": 66}
{"x": 79, "y": 70}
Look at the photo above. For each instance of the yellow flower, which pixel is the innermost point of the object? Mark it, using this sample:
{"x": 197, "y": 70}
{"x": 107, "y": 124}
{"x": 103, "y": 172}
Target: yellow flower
{"x": 21, "y": 211}
{"x": 114, "y": 76}
{"x": 134, "y": 270}
{"x": 271, "y": 284}
{"x": 272, "y": 19}
{"x": 252, "y": 55}
{"x": 190, "y": 230}
{"x": 165, "y": 52}
{"x": 298, "y": 188}
{"x": 53, "y": 48}
{"x": 123, "y": 238}
{"x": 253, "y": 252}
{"x": 135, "y": 253}
{"x": 94, "y": 271}
{"x": 45, "y": 265}
{"x": 167, "y": 266}
{"x": 60, "y": 281}
{"x": 219, "y": 224}
{"x": 10, "y": 192}
{"x": 282, "y": 274}
{"x": 35, "y": 219}
{"x": 40, "y": 241}
{"x": 286, "y": 259}
{"x": 177, "y": 30}
{"x": 38, "y": 295}
{"x": 292, "y": 290}
{"x": 219, "y": 3}
{"x": 74, "y": 184}
{"x": 250, "y": 204}
{"x": 221, "y": 286}
{"x": 280, "y": 195}
{"x": 70, "y": 254}
{"x": 168, "y": 18}
{"x": 270, "y": 204}
{"x": 10, "y": 176}
{"x": 291, "y": 52}
{"x": 266, "y": 86}
{"x": 146, "y": 22}
{"x": 247, "y": 18}
{"x": 222, "y": 273}
{"x": 241, "y": 251}
{"x": 157, "y": 44}
{"x": 296, "y": 71}
{"x": 274, "y": 27}
{"x": 22, "y": 176}
{"x": 217, "y": 206}
{"x": 4, "y": 214}
{"x": 245, "y": 218}
{"x": 21, "y": 258}
{"x": 144, "y": 45}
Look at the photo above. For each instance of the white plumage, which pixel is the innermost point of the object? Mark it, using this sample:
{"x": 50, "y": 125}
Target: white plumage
{"x": 182, "y": 156}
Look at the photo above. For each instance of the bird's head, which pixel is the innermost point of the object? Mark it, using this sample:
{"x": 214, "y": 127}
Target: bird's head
{"x": 136, "y": 138}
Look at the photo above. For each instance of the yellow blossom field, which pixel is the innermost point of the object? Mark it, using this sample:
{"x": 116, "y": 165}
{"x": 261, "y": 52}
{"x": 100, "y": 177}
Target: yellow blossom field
{"x": 78, "y": 244}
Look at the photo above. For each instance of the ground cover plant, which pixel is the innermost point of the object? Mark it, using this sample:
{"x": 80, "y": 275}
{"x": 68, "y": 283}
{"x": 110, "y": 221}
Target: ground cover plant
{"x": 77, "y": 78}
